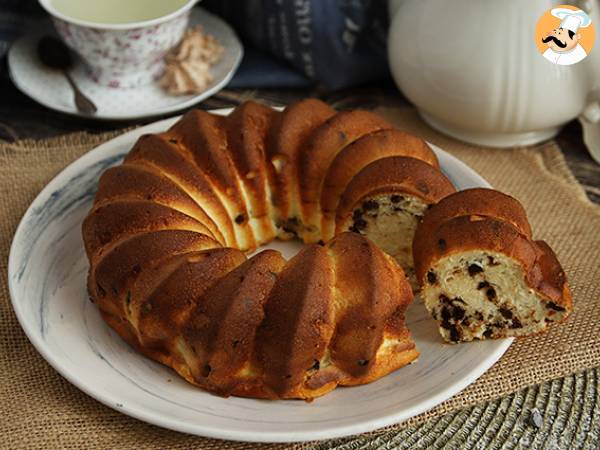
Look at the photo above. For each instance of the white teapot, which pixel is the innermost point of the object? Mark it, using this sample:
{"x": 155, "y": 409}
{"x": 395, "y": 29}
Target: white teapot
{"x": 473, "y": 70}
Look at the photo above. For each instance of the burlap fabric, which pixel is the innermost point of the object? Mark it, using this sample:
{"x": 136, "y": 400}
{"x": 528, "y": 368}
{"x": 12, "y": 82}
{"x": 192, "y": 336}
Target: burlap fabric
{"x": 39, "y": 409}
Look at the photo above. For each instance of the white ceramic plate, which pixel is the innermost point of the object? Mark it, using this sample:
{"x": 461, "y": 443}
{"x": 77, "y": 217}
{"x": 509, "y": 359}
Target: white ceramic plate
{"x": 51, "y": 89}
{"x": 47, "y": 280}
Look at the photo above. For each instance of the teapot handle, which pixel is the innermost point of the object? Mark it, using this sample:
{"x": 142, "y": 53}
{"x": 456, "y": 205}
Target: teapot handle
{"x": 590, "y": 122}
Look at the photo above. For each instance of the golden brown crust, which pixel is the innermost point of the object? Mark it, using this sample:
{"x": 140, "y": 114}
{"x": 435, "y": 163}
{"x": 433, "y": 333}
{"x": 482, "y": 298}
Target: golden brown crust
{"x": 222, "y": 327}
{"x": 298, "y": 321}
{"x": 320, "y": 150}
{"x": 163, "y": 153}
{"x": 467, "y": 233}
{"x": 204, "y": 137}
{"x": 165, "y": 298}
{"x": 552, "y": 280}
{"x": 478, "y": 202}
{"x": 109, "y": 222}
{"x": 393, "y": 175}
{"x": 247, "y": 130}
{"x": 359, "y": 154}
{"x": 139, "y": 182}
{"x": 369, "y": 310}
{"x": 113, "y": 271}
{"x": 287, "y": 138}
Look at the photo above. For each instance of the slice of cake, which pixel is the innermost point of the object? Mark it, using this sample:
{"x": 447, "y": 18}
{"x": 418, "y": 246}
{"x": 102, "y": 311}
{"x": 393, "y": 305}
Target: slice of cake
{"x": 481, "y": 274}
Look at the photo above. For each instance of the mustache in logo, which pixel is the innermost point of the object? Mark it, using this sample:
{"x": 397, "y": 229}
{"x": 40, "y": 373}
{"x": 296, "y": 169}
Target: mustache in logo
{"x": 556, "y": 41}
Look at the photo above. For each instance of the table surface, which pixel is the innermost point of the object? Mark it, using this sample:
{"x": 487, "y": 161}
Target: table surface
{"x": 21, "y": 118}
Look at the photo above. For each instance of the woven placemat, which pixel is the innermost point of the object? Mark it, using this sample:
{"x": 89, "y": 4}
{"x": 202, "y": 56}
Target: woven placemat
{"x": 39, "y": 409}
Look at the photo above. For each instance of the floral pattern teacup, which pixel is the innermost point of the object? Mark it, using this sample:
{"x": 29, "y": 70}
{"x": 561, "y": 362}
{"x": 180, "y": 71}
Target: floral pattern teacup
{"x": 122, "y": 55}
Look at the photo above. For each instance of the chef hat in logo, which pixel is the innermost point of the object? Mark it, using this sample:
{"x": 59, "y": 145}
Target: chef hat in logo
{"x": 572, "y": 19}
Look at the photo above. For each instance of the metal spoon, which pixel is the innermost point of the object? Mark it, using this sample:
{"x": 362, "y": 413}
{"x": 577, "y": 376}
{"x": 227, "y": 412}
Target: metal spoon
{"x": 54, "y": 54}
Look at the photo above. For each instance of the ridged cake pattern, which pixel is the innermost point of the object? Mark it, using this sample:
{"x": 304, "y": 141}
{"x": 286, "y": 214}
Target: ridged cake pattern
{"x": 169, "y": 227}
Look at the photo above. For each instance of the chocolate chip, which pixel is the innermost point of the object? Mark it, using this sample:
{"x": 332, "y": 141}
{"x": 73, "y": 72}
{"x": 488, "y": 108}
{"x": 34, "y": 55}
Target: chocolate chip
{"x": 128, "y": 297}
{"x": 554, "y": 306}
{"x": 491, "y": 293}
{"x": 363, "y": 362}
{"x": 488, "y": 333}
{"x": 240, "y": 219}
{"x": 516, "y": 323}
{"x": 444, "y": 299}
{"x": 446, "y": 314}
{"x": 316, "y": 365}
{"x": 506, "y": 313}
{"x": 101, "y": 291}
{"x": 206, "y": 370}
{"x": 235, "y": 343}
{"x": 474, "y": 269}
{"x": 442, "y": 244}
{"x": 478, "y": 315}
{"x": 397, "y": 209}
{"x": 396, "y": 198}
{"x": 360, "y": 224}
{"x": 357, "y": 214}
{"x": 454, "y": 334}
{"x": 321, "y": 242}
{"x": 458, "y": 313}
{"x": 370, "y": 205}
{"x": 431, "y": 277}
{"x": 492, "y": 261}
{"x": 459, "y": 300}
{"x": 483, "y": 284}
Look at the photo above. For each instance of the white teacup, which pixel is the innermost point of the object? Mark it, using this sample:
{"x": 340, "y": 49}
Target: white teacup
{"x": 120, "y": 54}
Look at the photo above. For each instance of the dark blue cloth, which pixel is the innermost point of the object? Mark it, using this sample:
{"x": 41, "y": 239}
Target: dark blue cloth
{"x": 259, "y": 70}
{"x": 337, "y": 43}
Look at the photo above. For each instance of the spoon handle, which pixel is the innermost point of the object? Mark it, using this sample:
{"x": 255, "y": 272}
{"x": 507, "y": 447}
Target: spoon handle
{"x": 82, "y": 102}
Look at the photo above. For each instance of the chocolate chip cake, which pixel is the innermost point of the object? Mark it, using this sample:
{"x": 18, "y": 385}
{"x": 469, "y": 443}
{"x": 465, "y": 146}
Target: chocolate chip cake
{"x": 481, "y": 274}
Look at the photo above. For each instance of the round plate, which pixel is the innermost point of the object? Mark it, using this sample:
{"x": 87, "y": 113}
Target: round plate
{"x": 47, "y": 280}
{"x": 50, "y": 87}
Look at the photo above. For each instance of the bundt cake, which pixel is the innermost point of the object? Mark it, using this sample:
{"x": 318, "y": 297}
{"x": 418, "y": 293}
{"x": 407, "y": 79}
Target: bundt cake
{"x": 167, "y": 231}
{"x": 482, "y": 274}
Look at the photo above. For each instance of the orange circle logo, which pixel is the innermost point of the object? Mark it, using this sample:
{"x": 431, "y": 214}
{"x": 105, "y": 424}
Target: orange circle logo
{"x": 565, "y": 35}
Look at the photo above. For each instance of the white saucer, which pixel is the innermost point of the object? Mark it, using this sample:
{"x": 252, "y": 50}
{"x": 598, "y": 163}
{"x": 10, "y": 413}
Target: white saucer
{"x": 51, "y": 89}
{"x": 47, "y": 271}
